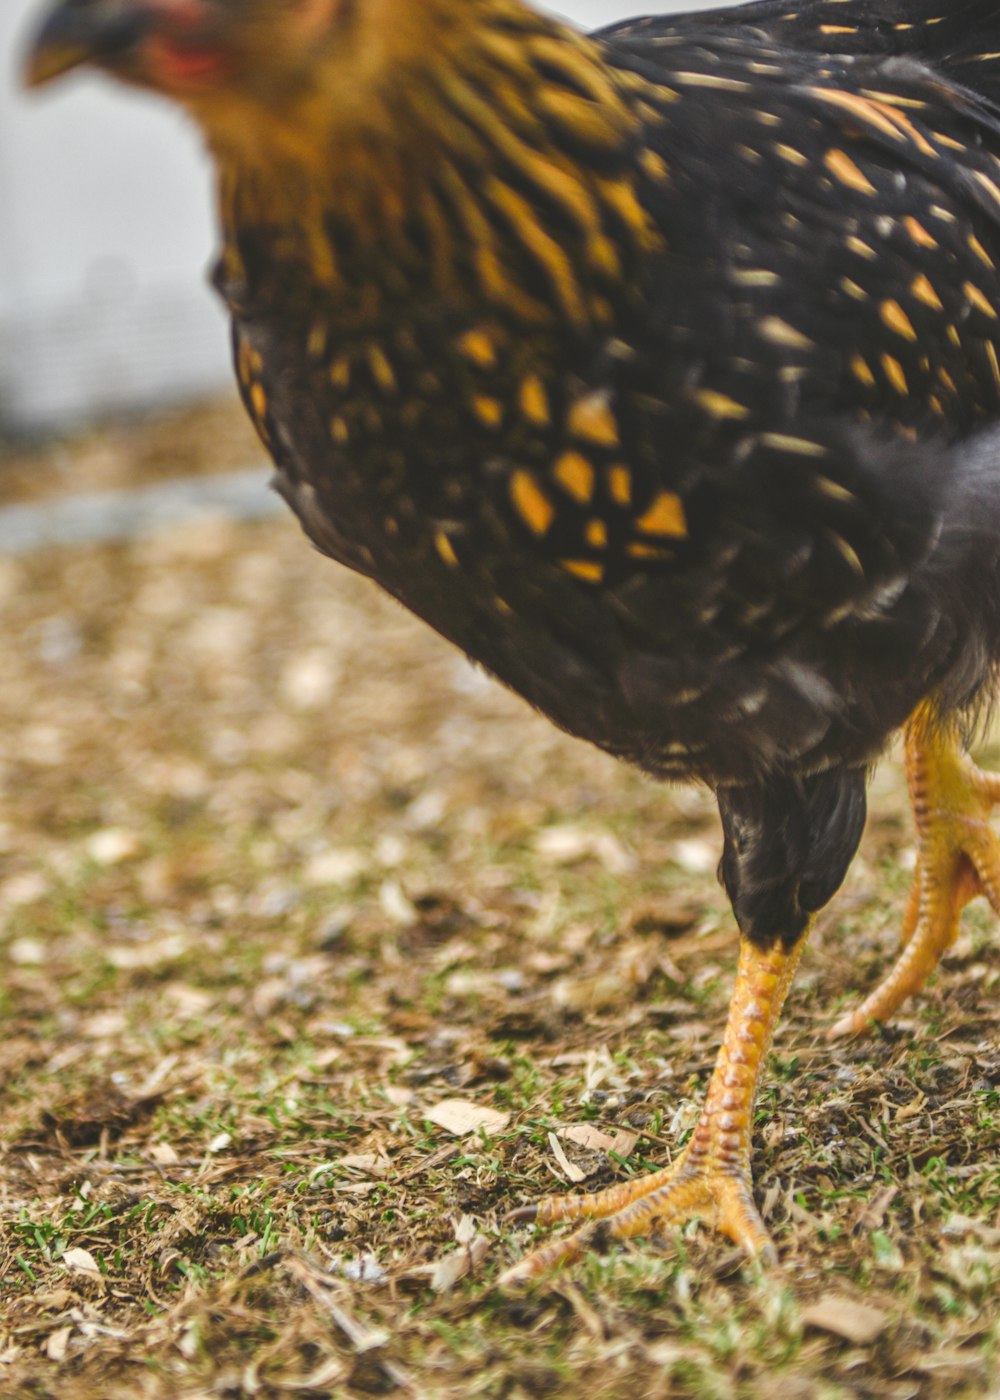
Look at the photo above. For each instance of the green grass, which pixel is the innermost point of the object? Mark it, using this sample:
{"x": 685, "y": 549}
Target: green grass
{"x": 198, "y": 1034}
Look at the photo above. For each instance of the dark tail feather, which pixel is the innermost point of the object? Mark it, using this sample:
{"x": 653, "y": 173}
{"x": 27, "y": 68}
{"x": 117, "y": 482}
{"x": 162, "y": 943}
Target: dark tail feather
{"x": 964, "y": 570}
{"x": 968, "y": 47}
{"x": 960, "y": 37}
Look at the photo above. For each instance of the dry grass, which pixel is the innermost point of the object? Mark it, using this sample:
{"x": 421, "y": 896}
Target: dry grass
{"x": 214, "y": 436}
{"x": 279, "y": 874}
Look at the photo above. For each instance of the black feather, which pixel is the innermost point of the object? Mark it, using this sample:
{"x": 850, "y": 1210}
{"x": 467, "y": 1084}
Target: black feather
{"x": 719, "y": 501}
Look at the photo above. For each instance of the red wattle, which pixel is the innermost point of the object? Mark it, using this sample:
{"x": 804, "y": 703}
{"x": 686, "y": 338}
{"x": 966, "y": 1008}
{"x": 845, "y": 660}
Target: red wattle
{"x": 180, "y": 67}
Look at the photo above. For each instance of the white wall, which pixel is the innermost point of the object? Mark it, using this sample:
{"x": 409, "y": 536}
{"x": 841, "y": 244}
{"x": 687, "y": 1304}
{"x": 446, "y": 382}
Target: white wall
{"x": 105, "y": 233}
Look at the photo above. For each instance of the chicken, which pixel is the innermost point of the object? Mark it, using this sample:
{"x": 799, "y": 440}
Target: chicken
{"x": 655, "y": 368}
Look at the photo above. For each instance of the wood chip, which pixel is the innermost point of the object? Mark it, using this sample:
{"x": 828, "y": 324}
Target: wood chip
{"x": 460, "y": 1117}
{"x": 843, "y": 1317}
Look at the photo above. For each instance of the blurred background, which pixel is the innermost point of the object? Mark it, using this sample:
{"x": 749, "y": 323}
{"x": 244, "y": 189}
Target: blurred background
{"x": 105, "y": 234}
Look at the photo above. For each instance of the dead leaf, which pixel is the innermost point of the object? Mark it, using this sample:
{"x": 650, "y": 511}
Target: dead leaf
{"x": 945, "y": 1359}
{"x": 334, "y": 867}
{"x": 369, "y": 1162}
{"x": 872, "y": 1217}
{"x": 454, "y": 1267}
{"x": 163, "y": 1155}
{"x": 695, "y": 855}
{"x": 625, "y": 1141}
{"x": 58, "y": 1344}
{"x": 26, "y": 888}
{"x": 144, "y": 956}
{"x": 588, "y": 1316}
{"x": 586, "y": 1135}
{"x": 568, "y": 844}
{"x": 395, "y": 905}
{"x": 909, "y": 1110}
{"x": 321, "y": 1379}
{"x": 103, "y": 1025}
{"x": 843, "y": 1317}
{"x": 966, "y": 1225}
{"x": 113, "y": 846}
{"x": 365, "y": 1268}
{"x": 187, "y": 1001}
{"x": 460, "y": 1117}
{"x": 570, "y": 1170}
{"x": 600, "y": 992}
{"x": 465, "y": 1229}
{"x": 82, "y": 1260}
{"x": 308, "y": 681}
{"x": 666, "y": 915}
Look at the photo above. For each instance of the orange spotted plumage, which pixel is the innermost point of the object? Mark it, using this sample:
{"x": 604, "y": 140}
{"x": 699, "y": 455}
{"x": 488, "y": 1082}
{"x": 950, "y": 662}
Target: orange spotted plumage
{"x": 658, "y": 369}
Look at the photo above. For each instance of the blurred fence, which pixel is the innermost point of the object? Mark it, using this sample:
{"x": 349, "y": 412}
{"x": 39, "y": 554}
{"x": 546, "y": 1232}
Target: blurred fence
{"x": 105, "y": 233}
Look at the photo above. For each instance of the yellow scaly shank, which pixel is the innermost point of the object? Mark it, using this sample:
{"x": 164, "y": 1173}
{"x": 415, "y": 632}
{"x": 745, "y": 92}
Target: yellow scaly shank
{"x": 711, "y": 1178}
{"x": 958, "y": 858}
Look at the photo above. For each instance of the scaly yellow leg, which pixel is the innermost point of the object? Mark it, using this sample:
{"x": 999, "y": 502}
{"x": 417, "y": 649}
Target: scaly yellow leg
{"x": 958, "y": 858}
{"x": 711, "y": 1178}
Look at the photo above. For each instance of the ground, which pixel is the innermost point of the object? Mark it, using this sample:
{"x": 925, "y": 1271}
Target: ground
{"x": 322, "y": 953}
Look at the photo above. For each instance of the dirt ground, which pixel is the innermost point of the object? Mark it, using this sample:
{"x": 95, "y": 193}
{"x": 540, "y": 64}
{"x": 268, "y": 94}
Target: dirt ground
{"x": 322, "y": 953}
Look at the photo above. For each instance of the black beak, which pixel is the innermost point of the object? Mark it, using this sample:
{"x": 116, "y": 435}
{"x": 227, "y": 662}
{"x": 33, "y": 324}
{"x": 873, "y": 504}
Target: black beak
{"x": 84, "y": 31}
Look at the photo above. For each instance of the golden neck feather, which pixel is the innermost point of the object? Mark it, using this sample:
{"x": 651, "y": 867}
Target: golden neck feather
{"x": 494, "y": 158}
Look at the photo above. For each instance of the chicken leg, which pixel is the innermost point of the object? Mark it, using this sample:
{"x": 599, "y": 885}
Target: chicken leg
{"x": 711, "y": 1178}
{"x": 958, "y": 858}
